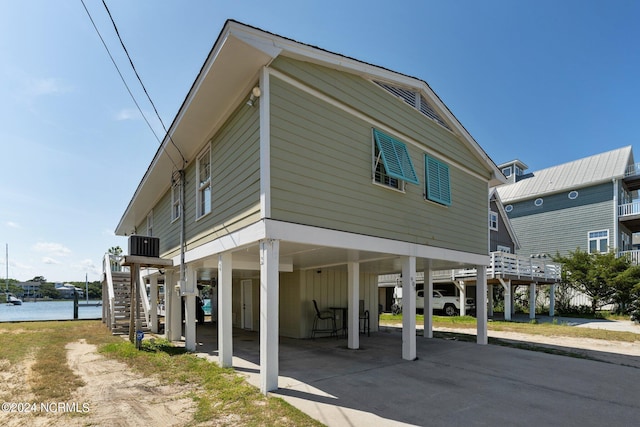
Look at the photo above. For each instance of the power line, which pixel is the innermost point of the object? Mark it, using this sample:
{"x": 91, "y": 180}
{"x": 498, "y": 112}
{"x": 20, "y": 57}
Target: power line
{"x": 140, "y": 80}
{"x": 127, "y": 86}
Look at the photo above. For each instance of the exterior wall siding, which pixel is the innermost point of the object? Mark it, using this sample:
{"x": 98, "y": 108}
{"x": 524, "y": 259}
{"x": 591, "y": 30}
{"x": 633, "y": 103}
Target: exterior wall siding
{"x": 560, "y": 224}
{"x": 500, "y": 237}
{"x": 235, "y": 180}
{"x": 322, "y": 167}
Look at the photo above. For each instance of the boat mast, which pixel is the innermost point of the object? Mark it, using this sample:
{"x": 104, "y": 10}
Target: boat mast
{"x": 6, "y": 283}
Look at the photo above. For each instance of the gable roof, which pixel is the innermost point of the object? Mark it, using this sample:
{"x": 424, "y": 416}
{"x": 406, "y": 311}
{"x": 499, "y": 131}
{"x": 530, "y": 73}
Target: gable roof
{"x": 577, "y": 174}
{"x": 227, "y": 76}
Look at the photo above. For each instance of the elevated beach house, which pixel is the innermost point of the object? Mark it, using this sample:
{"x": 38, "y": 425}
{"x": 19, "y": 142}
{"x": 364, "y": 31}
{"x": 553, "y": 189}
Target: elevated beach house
{"x": 292, "y": 174}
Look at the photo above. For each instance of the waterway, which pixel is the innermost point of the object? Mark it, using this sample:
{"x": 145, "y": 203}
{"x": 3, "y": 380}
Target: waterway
{"x": 47, "y": 310}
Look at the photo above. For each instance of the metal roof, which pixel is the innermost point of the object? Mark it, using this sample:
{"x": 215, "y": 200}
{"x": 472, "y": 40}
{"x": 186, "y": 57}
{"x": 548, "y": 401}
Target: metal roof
{"x": 569, "y": 176}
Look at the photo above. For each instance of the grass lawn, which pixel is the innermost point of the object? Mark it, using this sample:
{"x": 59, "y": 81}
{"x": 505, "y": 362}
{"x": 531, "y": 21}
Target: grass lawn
{"x": 218, "y": 393}
{"x": 545, "y": 329}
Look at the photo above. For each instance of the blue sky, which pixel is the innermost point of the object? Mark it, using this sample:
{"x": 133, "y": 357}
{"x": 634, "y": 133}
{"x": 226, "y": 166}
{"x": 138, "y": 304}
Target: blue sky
{"x": 543, "y": 81}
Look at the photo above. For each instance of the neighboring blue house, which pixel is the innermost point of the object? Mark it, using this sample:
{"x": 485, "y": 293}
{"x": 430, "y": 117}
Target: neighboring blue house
{"x": 590, "y": 203}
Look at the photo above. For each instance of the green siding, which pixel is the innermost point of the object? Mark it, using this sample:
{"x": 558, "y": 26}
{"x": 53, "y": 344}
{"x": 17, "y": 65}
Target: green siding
{"x": 374, "y": 101}
{"x": 560, "y": 224}
{"x": 321, "y": 160}
{"x": 235, "y": 187}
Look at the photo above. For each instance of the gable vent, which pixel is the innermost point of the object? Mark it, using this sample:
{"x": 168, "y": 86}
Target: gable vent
{"x": 416, "y": 100}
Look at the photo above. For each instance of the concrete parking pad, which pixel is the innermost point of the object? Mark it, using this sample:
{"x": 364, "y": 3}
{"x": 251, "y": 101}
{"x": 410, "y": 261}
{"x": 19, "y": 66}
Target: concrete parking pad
{"x": 451, "y": 383}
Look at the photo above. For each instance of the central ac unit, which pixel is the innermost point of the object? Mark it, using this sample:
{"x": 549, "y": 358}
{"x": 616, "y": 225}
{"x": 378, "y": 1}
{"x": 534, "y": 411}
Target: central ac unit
{"x": 144, "y": 246}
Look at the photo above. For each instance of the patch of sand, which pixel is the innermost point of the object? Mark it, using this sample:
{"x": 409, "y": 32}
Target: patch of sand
{"x": 116, "y": 396}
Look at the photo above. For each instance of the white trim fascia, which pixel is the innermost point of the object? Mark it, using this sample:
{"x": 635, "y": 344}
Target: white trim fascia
{"x": 379, "y": 125}
{"x": 265, "y": 145}
{"x": 232, "y": 241}
{"x": 309, "y": 235}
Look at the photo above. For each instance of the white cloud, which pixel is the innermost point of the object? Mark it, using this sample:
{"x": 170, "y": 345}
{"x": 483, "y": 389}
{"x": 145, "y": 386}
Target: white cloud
{"x": 53, "y": 249}
{"x": 128, "y": 114}
{"x": 12, "y": 224}
{"x": 48, "y": 260}
{"x": 46, "y": 86}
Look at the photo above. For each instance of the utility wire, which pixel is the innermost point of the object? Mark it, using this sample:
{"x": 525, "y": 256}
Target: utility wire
{"x": 140, "y": 80}
{"x": 125, "y": 83}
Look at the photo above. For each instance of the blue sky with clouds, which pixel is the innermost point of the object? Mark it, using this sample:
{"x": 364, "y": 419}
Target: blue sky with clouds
{"x": 545, "y": 81}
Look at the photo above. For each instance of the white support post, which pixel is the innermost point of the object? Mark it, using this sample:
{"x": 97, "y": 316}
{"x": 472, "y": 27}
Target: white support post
{"x": 463, "y": 298}
{"x": 508, "y": 301}
{"x": 409, "y": 308}
{"x": 552, "y": 300}
{"x": 532, "y": 301}
{"x": 225, "y": 316}
{"x": 353, "y": 324}
{"x": 269, "y": 323}
{"x": 153, "y": 316}
{"x": 173, "y": 313}
{"x": 481, "y": 304}
{"x": 190, "y": 311}
{"x": 428, "y": 302}
{"x": 489, "y": 300}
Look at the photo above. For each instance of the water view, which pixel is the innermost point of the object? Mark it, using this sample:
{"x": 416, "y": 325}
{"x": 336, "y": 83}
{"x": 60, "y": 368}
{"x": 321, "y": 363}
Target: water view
{"x": 47, "y": 310}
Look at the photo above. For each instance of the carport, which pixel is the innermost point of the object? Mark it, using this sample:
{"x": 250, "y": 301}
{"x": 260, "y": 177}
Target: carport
{"x": 451, "y": 383}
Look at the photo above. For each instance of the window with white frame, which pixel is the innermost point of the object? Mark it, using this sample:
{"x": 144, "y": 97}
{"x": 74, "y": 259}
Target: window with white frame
{"x": 150, "y": 224}
{"x": 203, "y": 183}
{"x": 598, "y": 241}
{"x": 493, "y": 221}
{"x": 176, "y": 187}
{"x": 507, "y": 171}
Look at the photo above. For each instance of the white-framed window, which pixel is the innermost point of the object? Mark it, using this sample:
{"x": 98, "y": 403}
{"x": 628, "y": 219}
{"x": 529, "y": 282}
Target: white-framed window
{"x": 505, "y": 249}
{"x": 493, "y": 220}
{"x": 150, "y": 224}
{"x": 573, "y": 195}
{"x": 203, "y": 183}
{"x": 598, "y": 241}
{"x": 538, "y": 202}
{"x": 176, "y": 209}
{"x": 508, "y": 208}
{"x": 507, "y": 171}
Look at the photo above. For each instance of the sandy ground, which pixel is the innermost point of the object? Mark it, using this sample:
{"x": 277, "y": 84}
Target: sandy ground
{"x": 113, "y": 395}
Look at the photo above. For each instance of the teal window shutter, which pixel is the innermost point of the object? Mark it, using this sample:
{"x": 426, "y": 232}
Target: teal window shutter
{"x": 395, "y": 157}
{"x": 437, "y": 181}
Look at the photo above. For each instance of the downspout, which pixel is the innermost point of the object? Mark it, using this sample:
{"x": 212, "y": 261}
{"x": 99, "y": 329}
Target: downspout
{"x": 182, "y": 227}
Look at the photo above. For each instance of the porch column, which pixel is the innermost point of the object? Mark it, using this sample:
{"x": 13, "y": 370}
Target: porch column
{"x": 532, "y": 300}
{"x": 490, "y": 300}
{"x": 153, "y": 291}
{"x": 428, "y": 302}
{"x": 190, "y": 309}
{"x": 409, "y": 308}
{"x": 481, "y": 304}
{"x": 463, "y": 298}
{"x": 225, "y": 317}
{"x": 552, "y": 300}
{"x": 507, "y": 298}
{"x": 353, "y": 323}
{"x": 269, "y": 293}
{"x": 173, "y": 310}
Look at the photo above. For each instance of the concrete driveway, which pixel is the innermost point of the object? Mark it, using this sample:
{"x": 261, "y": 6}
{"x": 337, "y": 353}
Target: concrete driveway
{"x": 451, "y": 383}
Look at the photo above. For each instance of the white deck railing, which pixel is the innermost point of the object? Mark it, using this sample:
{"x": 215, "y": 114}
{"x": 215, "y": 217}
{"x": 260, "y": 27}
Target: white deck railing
{"x": 634, "y": 256}
{"x": 109, "y": 262}
{"x": 504, "y": 264}
{"x": 629, "y": 209}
